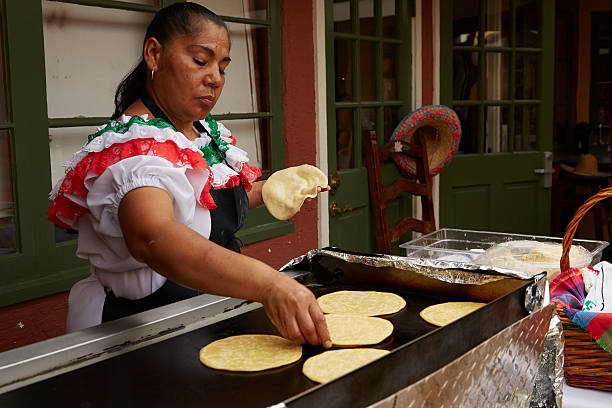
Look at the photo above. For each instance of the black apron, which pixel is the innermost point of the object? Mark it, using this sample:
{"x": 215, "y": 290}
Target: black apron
{"x": 226, "y": 220}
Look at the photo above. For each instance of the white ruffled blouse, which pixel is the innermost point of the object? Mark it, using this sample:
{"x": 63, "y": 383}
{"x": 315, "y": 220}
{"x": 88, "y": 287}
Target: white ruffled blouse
{"x": 127, "y": 154}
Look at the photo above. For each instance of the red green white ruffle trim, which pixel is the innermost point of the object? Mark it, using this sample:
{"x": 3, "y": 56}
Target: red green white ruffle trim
{"x": 135, "y": 136}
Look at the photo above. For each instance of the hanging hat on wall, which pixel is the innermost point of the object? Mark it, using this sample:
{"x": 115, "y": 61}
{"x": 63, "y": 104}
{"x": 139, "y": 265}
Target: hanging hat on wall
{"x": 442, "y": 130}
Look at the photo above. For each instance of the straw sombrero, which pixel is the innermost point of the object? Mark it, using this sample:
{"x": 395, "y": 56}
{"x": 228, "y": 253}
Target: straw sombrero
{"x": 442, "y": 131}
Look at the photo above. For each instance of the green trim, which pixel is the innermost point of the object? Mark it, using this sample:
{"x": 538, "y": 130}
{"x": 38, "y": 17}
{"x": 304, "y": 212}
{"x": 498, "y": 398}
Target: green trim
{"x": 504, "y": 102}
{"x": 252, "y": 115}
{"x": 330, "y": 65}
{"x": 246, "y": 20}
{"x": 98, "y": 121}
{"x": 367, "y": 104}
{"x": 473, "y": 48}
{"x": 41, "y": 286}
{"x": 120, "y": 5}
{"x": 261, "y": 225}
{"x": 381, "y": 39}
{"x": 275, "y": 75}
{"x": 77, "y": 122}
{"x": 547, "y": 80}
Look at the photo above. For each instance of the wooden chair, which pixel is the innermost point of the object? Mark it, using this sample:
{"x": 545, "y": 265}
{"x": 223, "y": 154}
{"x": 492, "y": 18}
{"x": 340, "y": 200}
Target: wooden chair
{"x": 380, "y": 196}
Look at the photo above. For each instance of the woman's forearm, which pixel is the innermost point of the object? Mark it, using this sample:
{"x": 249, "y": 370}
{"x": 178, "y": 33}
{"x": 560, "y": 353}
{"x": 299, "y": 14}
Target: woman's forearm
{"x": 182, "y": 255}
{"x": 255, "y": 198}
{"x": 146, "y": 216}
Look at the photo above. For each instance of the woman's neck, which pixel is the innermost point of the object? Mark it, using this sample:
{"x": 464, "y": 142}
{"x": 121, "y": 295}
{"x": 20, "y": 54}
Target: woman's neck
{"x": 185, "y": 127}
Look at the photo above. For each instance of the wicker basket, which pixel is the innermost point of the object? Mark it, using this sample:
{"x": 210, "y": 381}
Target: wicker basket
{"x": 586, "y": 363}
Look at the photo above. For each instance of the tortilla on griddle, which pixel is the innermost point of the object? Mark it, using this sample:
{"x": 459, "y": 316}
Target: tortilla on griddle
{"x": 445, "y": 313}
{"x": 357, "y": 330}
{"x": 334, "y": 363}
{"x": 368, "y": 303}
{"x": 250, "y": 352}
{"x": 285, "y": 191}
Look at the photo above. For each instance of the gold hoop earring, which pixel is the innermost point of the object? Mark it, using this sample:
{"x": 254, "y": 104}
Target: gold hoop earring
{"x": 152, "y": 74}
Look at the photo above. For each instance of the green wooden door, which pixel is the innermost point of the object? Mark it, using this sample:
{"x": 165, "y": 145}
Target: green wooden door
{"x": 367, "y": 47}
{"x": 497, "y": 63}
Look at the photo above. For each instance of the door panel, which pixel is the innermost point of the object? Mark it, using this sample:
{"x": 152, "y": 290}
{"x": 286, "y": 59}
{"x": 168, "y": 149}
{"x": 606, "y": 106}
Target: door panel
{"x": 470, "y": 206}
{"x": 495, "y": 193}
{"x": 366, "y": 49}
{"x": 502, "y": 91}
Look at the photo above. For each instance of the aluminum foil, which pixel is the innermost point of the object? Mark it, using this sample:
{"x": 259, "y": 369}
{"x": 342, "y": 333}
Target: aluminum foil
{"x": 548, "y": 388}
{"x": 447, "y": 271}
{"x": 534, "y": 296}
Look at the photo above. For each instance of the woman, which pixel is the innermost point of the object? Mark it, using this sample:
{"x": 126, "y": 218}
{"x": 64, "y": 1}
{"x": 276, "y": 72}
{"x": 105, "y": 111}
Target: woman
{"x": 158, "y": 193}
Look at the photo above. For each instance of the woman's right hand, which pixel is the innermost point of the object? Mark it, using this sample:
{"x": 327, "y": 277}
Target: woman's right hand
{"x": 294, "y": 310}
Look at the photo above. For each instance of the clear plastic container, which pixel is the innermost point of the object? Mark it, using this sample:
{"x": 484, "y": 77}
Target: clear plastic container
{"x": 492, "y": 248}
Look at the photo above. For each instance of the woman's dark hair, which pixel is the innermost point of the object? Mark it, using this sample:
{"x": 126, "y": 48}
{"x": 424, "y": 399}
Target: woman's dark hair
{"x": 177, "y": 18}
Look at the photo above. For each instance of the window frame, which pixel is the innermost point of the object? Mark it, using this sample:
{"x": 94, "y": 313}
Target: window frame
{"x": 404, "y": 10}
{"x": 42, "y": 266}
{"x": 542, "y": 104}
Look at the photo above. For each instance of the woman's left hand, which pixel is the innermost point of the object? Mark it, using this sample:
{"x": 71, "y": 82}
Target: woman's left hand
{"x": 319, "y": 190}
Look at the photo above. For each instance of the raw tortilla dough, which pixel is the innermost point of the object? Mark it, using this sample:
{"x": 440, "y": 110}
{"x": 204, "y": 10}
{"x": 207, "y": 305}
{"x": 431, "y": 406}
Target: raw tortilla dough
{"x": 250, "y": 352}
{"x": 285, "y": 191}
{"x": 332, "y": 364}
{"x": 368, "y": 303}
{"x": 357, "y": 330}
{"x": 445, "y": 313}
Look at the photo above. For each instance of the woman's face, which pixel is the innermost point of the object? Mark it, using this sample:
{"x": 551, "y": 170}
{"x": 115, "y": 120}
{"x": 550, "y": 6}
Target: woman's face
{"x": 190, "y": 72}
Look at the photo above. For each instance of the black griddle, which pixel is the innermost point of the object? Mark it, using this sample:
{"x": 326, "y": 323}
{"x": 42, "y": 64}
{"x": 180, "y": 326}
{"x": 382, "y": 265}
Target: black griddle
{"x": 169, "y": 373}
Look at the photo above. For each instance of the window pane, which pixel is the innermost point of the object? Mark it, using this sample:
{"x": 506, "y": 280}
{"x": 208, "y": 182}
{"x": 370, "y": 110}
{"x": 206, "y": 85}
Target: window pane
{"x": 526, "y": 74}
{"x": 344, "y": 85}
{"x": 465, "y": 75}
{"x": 63, "y": 142}
{"x": 252, "y": 136}
{"x": 391, "y": 121}
{"x": 528, "y": 23}
{"x": 3, "y": 94}
{"x": 88, "y": 50}
{"x": 496, "y": 129}
{"x": 8, "y": 222}
{"x": 344, "y": 138}
{"x": 246, "y": 78}
{"x": 342, "y": 16}
{"x": 389, "y": 66}
{"x": 368, "y": 119}
{"x": 497, "y": 23}
{"x": 368, "y": 71}
{"x": 468, "y": 115}
{"x": 237, "y": 8}
{"x": 497, "y": 75}
{"x": 367, "y": 22}
{"x": 389, "y": 20}
{"x": 525, "y": 136}
{"x": 465, "y": 22}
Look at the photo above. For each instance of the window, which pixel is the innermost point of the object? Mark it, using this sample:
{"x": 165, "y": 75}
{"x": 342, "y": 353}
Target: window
{"x": 497, "y": 54}
{"x": 62, "y": 85}
{"x": 370, "y": 49}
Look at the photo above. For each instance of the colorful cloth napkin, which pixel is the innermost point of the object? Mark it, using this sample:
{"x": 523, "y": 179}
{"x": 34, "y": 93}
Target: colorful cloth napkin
{"x": 599, "y": 295}
{"x": 568, "y": 291}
